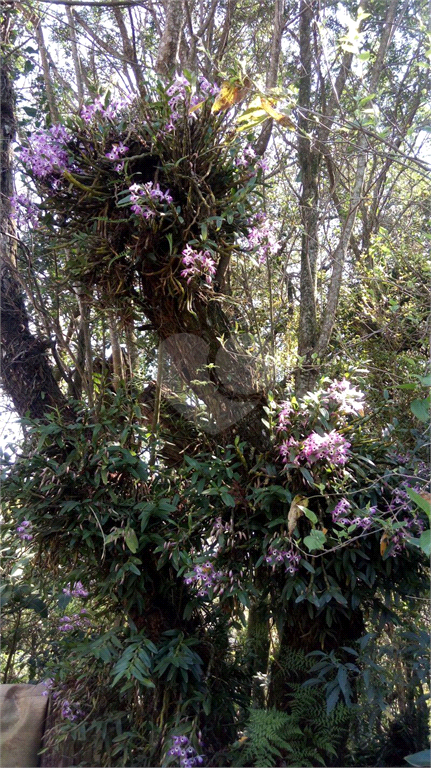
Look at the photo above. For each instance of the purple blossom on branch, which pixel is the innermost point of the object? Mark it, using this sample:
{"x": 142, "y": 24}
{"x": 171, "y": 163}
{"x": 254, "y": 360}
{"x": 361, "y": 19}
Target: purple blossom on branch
{"x": 152, "y": 194}
{"x": 262, "y": 239}
{"x": 117, "y": 151}
{"x": 347, "y": 398}
{"x": 287, "y": 557}
{"x": 46, "y": 154}
{"x": 205, "y": 577}
{"x": 24, "y": 210}
{"x": 97, "y": 109}
{"x": 187, "y": 754}
{"x": 331, "y": 447}
{"x": 24, "y": 530}
{"x": 76, "y": 621}
{"x": 198, "y": 264}
{"x": 76, "y": 591}
{"x": 70, "y": 711}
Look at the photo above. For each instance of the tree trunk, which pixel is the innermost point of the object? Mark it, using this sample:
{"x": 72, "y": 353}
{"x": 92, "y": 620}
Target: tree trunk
{"x": 309, "y": 163}
{"x": 169, "y": 45}
{"x": 26, "y": 375}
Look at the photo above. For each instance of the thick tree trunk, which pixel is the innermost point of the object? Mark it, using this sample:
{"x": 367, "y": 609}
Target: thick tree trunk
{"x": 26, "y": 375}
{"x": 170, "y": 42}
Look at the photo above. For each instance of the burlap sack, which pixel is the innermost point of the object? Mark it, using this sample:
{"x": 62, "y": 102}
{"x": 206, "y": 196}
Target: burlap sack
{"x": 22, "y": 717}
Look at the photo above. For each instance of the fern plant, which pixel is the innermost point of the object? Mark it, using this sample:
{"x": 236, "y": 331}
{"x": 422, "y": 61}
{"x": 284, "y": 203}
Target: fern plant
{"x": 304, "y": 735}
{"x": 268, "y": 731}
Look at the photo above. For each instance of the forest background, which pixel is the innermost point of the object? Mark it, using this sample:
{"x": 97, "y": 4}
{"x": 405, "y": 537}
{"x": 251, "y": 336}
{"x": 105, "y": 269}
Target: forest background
{"x": 214, "y": 320}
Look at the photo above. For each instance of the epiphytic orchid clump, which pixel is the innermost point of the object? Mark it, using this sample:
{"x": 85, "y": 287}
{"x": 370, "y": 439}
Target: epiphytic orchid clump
{"x": 331, "y": 447}
{"x": 24, "y": 530}
{"x": 205, "y": 578}
{"x": 198, "y": 264}
{"x": 261, "y": 240}
{"x": 46, "y": 155}
{"x": 186, "y": 753}
{"x": 287, "y": 557}
{"x": 133, "y": 205}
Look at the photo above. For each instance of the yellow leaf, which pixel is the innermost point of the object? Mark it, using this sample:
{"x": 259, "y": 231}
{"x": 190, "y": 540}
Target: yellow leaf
{"x": 295, "y": 512}
{"x": 230, "y": 94}
{"x": 196, "y": 106}
{"x": 278, "y": 116}
{"x": 384, "y": 541}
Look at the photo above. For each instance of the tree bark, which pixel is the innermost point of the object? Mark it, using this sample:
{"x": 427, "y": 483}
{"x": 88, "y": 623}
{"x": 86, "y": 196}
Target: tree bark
{"x": 169, "y": 45}
{"x": 272, "y": 73}
{"x": 313, "y": 341}
{"x": 309, "y": 161}
{"x": 26, "y": 375}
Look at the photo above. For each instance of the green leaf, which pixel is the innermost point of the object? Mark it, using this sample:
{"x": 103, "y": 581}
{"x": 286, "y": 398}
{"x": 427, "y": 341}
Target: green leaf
{"x": 424, "y": 504}
{"x": 425, "y": 380}
{"x": 131, "y": 540}
{"x": 308, "y": 476}
{"x": 420, "y": 408}
{"x": 423, "y": 542}
{"x": 37, "y": 605}
{"x": 419, "y": 759}
{"x": 316, "y": 540}
{"x": 308, "y": 513}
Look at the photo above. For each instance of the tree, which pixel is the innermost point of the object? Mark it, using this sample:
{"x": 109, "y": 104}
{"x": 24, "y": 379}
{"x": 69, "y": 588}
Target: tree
{"x": 185, "y": 498}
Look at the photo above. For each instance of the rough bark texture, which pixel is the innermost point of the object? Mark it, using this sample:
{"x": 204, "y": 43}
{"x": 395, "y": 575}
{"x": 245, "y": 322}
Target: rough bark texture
{"x": 309, "y": 162}
{"x": 168, "y": 50}
{"x": 26, "y": 375}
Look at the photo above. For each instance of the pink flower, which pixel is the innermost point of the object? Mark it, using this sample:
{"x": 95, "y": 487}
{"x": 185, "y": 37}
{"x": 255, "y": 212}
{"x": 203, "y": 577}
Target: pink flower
{"x": 198, "y": 264}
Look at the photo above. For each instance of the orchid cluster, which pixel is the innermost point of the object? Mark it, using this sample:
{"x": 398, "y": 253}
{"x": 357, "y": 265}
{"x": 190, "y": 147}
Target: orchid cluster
{"x": 70, "y": 711}
{"x": 76, "y": 591}
{"x": 261, "y": 238}
{"x": 24, "y": 210}
{"x": 198, "y": 264}
{"x": 46, "y": 154}
{"x": 288, "y": 557}
{"x": 183, "y": 749}
{"x": 345, "y": 398}
{"x": 178, "y": 95}
{"x": 341, "y": 399}
{"x": 400, "y": 537}
{"x": 76, "y": 621}
{"x": 116, "y": 153}
{"x": 49, "y": 684}
{"x": 24, "y": 530}
{"x": 97, "y": 109}
{"x": 343, "y": 508}
{"x": 331, "y": 447}
{"x": 152, "y": 194}
{"x": 401, "y": 503}
{"x": 206, "y": 578}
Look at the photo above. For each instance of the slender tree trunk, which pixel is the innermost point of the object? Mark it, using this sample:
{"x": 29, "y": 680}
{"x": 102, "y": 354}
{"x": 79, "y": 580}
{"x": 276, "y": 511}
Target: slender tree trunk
{"x": 272, "y": 72}
{"x": 309, "y": 162}
{"x": 75, "y": 55}
{"x": 313, "y": 341}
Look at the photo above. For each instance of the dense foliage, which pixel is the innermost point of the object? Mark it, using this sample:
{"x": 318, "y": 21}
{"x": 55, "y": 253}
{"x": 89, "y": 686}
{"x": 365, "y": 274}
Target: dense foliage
{"x": 216, "y": 525}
